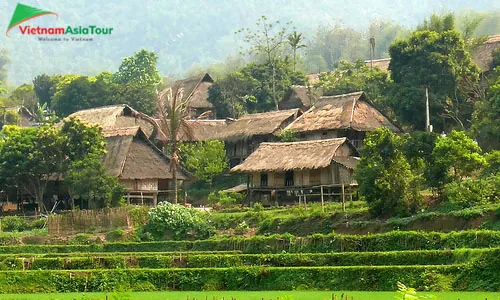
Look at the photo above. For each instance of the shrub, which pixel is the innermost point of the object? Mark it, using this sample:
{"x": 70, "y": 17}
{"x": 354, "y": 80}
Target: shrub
{"x": 169, "y": 220}
{"x": 14, "y": 224}
{"x": 472, "y": 192}
{"x": 138, "y": 215}
{"x": 117, "y": 235}
{"x": 224, "y": 199}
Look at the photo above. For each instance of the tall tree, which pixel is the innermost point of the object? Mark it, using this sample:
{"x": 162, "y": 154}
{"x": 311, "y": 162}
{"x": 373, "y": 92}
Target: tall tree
{"x": 439, "y": 62}
{"x": 295, "y": 40}
{"x": 173, "y": 112}
{"x": 42, "y": 85}
{"x": 354, "y": 77}
{"x": 30, "y": 156}
{"x": 4, "y": 61}
{"x": 384, "y": 176}
{"x": 456, "y": 156}
{"x": 267, "y": 41}
{"x": 139, "y": 69}
{"x": 205, "y": 159}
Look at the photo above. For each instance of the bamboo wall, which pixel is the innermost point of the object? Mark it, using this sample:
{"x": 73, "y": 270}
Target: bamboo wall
{"x": 89, "y": 220}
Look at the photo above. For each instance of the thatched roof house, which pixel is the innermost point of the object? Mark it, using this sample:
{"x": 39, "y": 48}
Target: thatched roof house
{"x": 382, "y": 64}
{"x": 139, "y": 165}
{"x": 348, "y": 115}
{"x": 320, "y": 166}
{"x": 483, "y": 54}
{"x": 268, "y": 123}
{"x": 280, "y": 157}
{"x": 119, "y": 116}
{"x": 244, "y": 135}
{"x": 195, "y": 90}
{"x": 24, "y": 117}
{"x": 299, "y": 96}
{"x": 201, "y": 130}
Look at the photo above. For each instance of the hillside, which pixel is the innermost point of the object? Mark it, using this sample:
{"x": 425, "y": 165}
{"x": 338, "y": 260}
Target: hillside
{"x": 196, "y": 32}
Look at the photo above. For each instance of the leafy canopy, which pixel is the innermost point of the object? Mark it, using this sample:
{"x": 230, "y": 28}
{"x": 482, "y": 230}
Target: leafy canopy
{"x": 205, "y": 159}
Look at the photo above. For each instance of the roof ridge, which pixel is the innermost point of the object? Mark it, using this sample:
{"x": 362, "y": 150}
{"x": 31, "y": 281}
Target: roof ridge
{"x": 306, "y": 142}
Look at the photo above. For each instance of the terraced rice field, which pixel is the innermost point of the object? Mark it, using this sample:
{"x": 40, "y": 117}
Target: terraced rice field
{"x": 236, "y": 265}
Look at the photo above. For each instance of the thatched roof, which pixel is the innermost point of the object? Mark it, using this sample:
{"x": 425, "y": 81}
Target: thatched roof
{"x": 118, "y": 116}
{"x": 299, "y": 96}
{"x": 130, "y": 155}
{"x": 382, "y": 64}
{"x": 200, "y": 130}
{"x": 195, "y": 89}
{"x": 292, "y": 156}
{"x": 259, "y": 124}
{"x": 204, "y": 130}
{"x": 347, "y": 111}
{"x": 482, "y": 55}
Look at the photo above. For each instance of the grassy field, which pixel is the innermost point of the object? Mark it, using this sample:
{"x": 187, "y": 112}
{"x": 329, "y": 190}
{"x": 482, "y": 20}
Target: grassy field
{"x": 259, "y": 295}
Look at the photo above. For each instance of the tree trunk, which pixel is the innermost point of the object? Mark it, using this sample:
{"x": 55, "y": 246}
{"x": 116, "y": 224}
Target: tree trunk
{"x": 174, "y": 169}
{"x": 294, "y": 51}
{"x": 274, "y": 87}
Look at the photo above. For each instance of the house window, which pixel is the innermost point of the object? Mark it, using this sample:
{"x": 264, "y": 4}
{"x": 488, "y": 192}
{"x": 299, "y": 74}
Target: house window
{"x": 263, "y": 179}
{"x": 289, "y": 178}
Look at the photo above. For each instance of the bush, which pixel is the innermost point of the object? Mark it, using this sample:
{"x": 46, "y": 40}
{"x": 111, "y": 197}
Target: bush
{"x": 117, "y": 235}
{"x": 224, "y": 199}
{"x": 14, "y": 224}
{"x": 472, "y": 192}
{"x": 169, "y": 220}
{"x": 138, "y": 215}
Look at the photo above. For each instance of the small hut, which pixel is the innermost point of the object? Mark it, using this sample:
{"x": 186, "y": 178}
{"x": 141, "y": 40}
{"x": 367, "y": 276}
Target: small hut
{"x": 195, "y": 91}
{"x": 300, "y": 169}
{"x": 348, "y": 115}
{"x": 382, "y": 63}
{"x": 483, "y": 54}
{"x": 140, "y": 166}
{"x": 119, "y": 116}
{"x": 244, "y": 135}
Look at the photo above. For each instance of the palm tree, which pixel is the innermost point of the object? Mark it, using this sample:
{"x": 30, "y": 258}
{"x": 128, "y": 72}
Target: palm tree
{"x": 173, "y": 111}
{"x": 294, "y": 40}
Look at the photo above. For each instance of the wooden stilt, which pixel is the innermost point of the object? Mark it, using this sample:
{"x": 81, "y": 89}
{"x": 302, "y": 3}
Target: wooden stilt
{"x": 322, "y": 200}
{"x": 343, "y": 198}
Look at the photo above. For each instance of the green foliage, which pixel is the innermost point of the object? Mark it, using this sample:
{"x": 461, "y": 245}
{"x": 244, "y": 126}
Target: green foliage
{"x": 23, "y": 95}
{"x": 225, "y": 199}
{"x": 169, "y": 220}
{"x": 437, "y": 61}
{"x": 458, "y": 156}
{"x": 384, "y": 176}
{"x": 87, "y": 179}
{"x": 354, "y": 77}
{"x": 486, "y": 118}
{"x": 29, "y": 155}
{"x": 204, "y": 159}
{"x": 287, "y": 135}
{"x": 472, "y": 192}
{"x": 251, "y": 89}
{"x": 232, "y": 95}
{"x": 117, "y": 235}
{"x": 139, "y": 69}
{"x": 43, "y": 88}
{"x": 12, "y": 223}
{"x": 492, "y": 163}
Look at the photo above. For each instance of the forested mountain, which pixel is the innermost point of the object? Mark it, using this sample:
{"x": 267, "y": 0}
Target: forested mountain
{"x": 189, "y": 34}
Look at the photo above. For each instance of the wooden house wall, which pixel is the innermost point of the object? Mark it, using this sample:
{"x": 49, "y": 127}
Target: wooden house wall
{"x": 305, "y": 177}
